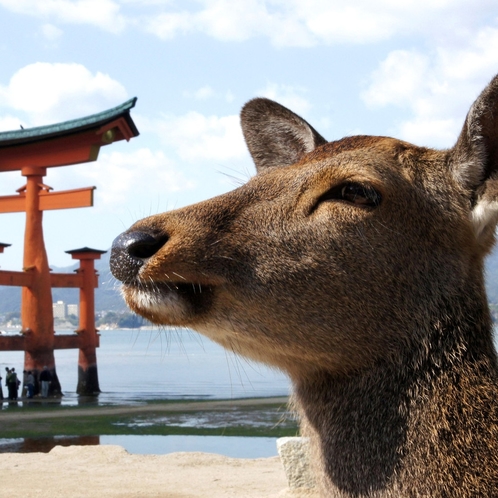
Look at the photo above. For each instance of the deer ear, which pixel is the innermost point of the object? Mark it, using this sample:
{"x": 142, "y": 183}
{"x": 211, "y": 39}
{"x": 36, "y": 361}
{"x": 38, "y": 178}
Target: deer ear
{"x": 474, "y": 163}
{"x": 276, "y": 136}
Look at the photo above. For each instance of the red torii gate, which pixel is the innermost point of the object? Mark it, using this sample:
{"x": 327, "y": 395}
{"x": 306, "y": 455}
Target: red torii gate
{"x": 32, "y": 151}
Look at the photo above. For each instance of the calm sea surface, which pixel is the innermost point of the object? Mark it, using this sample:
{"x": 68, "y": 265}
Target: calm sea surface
{"x": 135, "y": 365}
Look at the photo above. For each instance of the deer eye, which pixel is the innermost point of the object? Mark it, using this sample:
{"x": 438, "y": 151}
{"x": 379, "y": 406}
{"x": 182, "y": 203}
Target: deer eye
{"x": 360, "y": 194}
{"x": 354, "y": 193}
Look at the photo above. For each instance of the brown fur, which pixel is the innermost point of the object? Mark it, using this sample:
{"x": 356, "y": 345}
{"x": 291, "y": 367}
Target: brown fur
{"x": 371, "y": 300}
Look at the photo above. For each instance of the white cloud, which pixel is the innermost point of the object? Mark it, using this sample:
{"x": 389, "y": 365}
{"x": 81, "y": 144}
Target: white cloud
{"x": 428, "y": 131}
{"x": 55, "y": 92}
{"x": 437, "y": 89}
{"x": 222, "y": 19}
{"x": 234, "y": 21}
{"x": 195, "y": 137}
{"x": 122, "y": 177}
{"x": 339, "y": 22}
{"x": 101, "y": 13}
{"x": 167, "y": 26}
{"x": 284, "y": 22}
{"x": 398, "y": 79}
{"x": 311, "y": 22}
{"x": 50, "y": 32}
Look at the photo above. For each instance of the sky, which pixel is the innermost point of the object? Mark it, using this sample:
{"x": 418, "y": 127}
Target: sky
{"x": 403, "y": 68}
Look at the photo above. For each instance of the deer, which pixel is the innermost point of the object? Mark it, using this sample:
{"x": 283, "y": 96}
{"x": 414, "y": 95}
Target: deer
{"x": 356, "y": 267}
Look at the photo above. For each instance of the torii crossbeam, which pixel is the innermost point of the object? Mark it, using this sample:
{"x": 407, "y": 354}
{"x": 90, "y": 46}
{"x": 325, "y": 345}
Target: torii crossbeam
{"x": 32, "y": 151}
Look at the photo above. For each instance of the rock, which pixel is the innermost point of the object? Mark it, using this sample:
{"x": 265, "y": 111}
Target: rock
{"x": 295, "y": 455}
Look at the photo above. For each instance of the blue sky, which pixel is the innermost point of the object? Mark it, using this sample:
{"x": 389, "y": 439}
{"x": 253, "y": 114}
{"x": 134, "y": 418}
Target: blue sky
{"x": 408, "y": 69}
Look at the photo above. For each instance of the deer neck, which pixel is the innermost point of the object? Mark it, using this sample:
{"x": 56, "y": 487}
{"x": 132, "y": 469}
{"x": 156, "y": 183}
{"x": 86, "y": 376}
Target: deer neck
{"x": 373, "y": 431}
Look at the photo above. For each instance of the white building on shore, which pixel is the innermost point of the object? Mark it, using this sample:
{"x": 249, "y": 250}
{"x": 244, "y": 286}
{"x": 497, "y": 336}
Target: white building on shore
{"x": 63, "y": 310}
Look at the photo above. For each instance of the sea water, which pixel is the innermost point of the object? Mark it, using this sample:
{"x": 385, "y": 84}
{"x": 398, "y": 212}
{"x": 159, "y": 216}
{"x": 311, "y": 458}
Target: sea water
{"x": 151, "y": 364}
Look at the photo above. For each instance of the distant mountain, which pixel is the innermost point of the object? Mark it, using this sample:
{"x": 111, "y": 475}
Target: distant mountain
{"x": 10, "y": 299}
{"x": 108, "y": 297}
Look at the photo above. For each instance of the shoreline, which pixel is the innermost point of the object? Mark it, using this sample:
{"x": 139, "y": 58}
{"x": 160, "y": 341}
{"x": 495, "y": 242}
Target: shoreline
{"x": 246, "y": 417}
{"x": 150, "y": 406}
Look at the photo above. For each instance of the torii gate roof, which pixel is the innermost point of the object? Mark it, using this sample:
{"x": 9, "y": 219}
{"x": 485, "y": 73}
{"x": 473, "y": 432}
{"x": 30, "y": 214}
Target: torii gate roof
{"x": 69, "y": 142}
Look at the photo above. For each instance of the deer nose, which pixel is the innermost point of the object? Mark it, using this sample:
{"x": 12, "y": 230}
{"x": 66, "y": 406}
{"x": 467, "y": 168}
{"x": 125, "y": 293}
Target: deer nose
{"x": 129, "y": 252}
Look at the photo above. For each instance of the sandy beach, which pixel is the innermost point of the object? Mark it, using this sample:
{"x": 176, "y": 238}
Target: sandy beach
{"x": 111, "y": 472}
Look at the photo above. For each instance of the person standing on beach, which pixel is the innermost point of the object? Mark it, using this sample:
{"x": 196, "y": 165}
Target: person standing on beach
{"x": 30, "y": 384}
{"x": 45, "y": 379}
{"x": 16, "y": 382}
{"x": 24, "y": 390}
{"x": 7, "y": 381}
{"x": 12, "y": 384}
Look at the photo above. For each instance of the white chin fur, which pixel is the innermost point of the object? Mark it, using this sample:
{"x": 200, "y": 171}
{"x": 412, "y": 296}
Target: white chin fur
{"x": 485, "y": 213}
{"x": 168, "y": 306}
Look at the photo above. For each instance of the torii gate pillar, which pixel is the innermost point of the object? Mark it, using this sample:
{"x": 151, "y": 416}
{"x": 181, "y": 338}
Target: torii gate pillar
{"x": 88, "y": 379}
{"x": 36, "y": 309}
